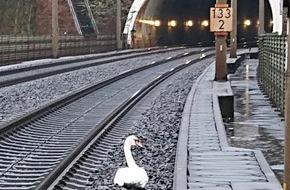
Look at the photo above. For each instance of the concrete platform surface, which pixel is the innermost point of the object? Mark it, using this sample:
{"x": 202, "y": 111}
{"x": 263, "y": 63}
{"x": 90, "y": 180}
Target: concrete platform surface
{"x": 211, "y": 163}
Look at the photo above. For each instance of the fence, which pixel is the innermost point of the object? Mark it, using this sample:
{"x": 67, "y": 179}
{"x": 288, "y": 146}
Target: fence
{"x": 15, "y": 49}
{"x": 272, "y": 68}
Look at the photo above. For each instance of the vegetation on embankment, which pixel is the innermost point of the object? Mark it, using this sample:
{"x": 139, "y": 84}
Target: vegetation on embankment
{"x": 33, "y": 17}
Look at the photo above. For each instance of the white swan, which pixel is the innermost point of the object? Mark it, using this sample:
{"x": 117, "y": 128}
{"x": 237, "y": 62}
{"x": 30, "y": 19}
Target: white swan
{"x": 132, "y": 175}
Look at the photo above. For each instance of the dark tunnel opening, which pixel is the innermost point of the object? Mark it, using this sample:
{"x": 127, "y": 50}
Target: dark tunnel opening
{"x": 187, "y": 22}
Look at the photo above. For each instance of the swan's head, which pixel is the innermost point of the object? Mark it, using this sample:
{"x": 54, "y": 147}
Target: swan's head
{"x": 132, "y": 140}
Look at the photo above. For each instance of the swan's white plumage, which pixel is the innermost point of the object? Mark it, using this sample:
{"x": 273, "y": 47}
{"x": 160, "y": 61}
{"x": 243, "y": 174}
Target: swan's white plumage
{"x": 137, "y": 176}
{"x": 131, "y": 174}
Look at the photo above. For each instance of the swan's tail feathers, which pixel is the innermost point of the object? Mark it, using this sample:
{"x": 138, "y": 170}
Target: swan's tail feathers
{"x": 118, "y": 178}
{"x": 120, "y": 183}
{"x": 143, "y": 183}
{"x": 144, "y": 177}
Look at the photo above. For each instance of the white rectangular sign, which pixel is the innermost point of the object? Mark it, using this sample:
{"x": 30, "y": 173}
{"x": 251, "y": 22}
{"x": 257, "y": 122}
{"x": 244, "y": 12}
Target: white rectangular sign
{"x": 221, "y": 19}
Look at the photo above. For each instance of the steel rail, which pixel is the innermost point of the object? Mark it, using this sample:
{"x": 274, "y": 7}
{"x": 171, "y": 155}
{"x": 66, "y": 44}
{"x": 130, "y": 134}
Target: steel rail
{"x": 77, "y": 94}
{"x": 77, "y": 155}
{"x": 62, "y": 67}
{"x": 58, "y": 62}
{"x": 43, "y": 146}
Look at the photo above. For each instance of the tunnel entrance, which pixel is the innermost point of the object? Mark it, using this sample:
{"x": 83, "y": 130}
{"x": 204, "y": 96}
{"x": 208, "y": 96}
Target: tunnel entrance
{"x": 175, "y": 22}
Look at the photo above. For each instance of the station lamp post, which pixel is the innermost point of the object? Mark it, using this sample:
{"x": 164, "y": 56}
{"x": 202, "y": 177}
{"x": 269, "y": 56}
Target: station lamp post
{"x": 261, "y": 17}
{"x": 285, "y": 15}
{"x": 118, "y": 25}
{"x": 54, "y": 26}
{"x": 233, "y": 51}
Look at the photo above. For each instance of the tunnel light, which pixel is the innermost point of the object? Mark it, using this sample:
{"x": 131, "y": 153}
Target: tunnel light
{"x": 157, "y": 23}
{"x": 247, "y": 22}
{"x": 205, "y": 23}
{"x": 172, "y": 23}
{"x": 189, "y": 23}
{"x": 271, "y": 22}
{"x": 151, "y": 22}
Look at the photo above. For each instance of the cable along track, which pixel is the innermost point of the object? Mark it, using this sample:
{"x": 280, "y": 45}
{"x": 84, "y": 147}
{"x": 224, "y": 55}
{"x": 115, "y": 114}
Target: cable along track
{"x": 32, "y": 149}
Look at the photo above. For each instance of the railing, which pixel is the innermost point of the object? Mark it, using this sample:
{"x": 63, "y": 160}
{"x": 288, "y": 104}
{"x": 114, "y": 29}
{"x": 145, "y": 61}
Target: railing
{"x": 84, "y": 16}
{"x": 15, "y": 49}
{"x": 272, "y": 67}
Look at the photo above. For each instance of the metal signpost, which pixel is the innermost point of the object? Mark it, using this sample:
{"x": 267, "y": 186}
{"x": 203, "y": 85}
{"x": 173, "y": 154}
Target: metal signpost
{"x": 221, "y": 23}
{"x": 221, "y": 19}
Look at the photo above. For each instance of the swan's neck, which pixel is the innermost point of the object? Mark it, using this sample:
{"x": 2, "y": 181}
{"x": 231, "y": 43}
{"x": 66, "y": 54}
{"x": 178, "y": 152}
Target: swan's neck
{"x": 128, "y": 155}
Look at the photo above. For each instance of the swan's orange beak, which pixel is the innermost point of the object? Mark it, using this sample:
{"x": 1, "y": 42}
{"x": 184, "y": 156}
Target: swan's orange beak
{"x": 138, "y": 143}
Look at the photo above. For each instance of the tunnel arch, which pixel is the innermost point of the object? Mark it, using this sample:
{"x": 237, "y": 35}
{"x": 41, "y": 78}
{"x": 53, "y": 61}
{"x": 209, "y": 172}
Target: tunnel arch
{"x": 277, "y": 15}
{"x": 131, "y": 18}
{"x": 146, "y": 10}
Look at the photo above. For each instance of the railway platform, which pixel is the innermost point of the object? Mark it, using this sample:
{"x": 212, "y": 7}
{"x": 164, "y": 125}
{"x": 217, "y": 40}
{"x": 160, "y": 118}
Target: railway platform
{"x": 204, "y": 158}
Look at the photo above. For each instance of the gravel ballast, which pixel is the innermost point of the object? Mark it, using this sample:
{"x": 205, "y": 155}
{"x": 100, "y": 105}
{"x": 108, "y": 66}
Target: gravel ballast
{"x": 19, "y": 99}
{"x": 158, "y": 130}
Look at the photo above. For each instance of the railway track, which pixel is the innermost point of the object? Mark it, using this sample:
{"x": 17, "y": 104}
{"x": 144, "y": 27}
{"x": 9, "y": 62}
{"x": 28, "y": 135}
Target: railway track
{"x": 21, "y": 74}
{"x": 38, "y": 147}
